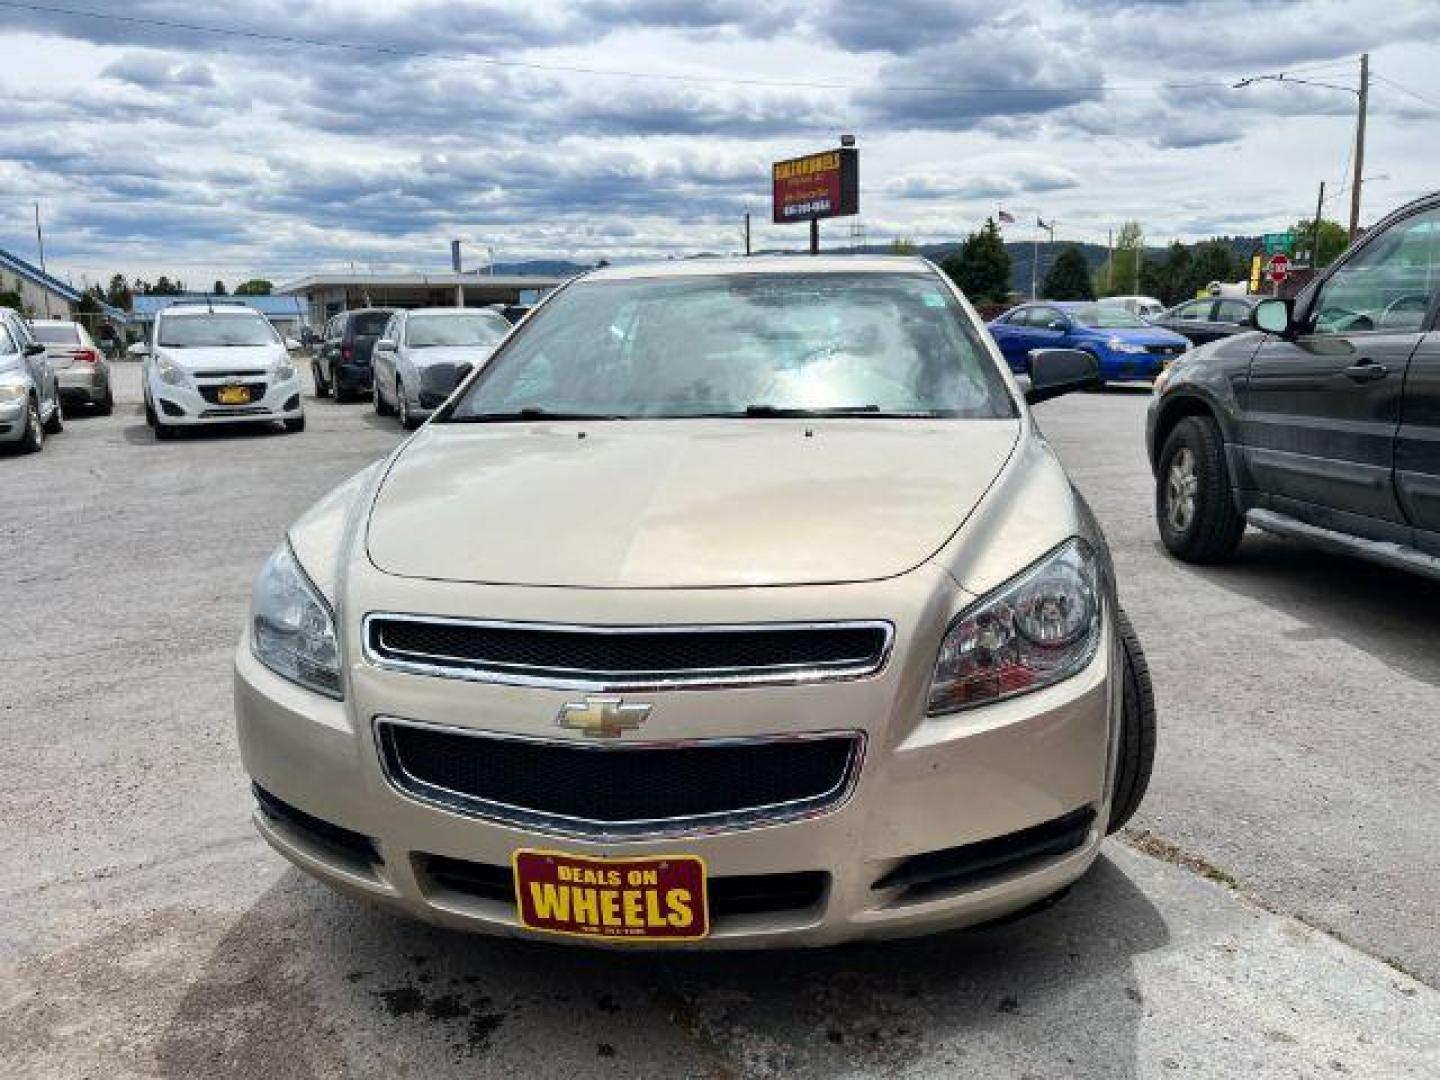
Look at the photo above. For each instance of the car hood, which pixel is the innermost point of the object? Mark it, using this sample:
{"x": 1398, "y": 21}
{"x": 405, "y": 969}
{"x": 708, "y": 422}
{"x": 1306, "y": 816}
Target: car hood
{"x": 234, "y": 358}
{"x": 450, "y": 354}
{"x": 1139, "y": 335}
{"x": 681, "y": 504}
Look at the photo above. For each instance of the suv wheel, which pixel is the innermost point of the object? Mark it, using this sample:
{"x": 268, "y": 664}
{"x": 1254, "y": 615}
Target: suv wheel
{"x": 1136, "y": 757}
{"x": 402, "y": 408}
{"x": 321, "y": 389}
{"x": 378, "y": 400}
{"x": 1194, "y": 505}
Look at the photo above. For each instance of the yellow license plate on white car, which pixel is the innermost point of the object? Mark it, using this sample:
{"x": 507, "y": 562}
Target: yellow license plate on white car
{"x": 233, "y": 395}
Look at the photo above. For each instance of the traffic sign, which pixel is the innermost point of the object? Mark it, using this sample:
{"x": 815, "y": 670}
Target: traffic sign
{"x": 1279, "y": 242}
{"x": 1278, "y": 269}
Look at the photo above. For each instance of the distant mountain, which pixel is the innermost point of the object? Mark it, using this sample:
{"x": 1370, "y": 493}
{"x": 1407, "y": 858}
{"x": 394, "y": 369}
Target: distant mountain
{"x": 540, "y": 268}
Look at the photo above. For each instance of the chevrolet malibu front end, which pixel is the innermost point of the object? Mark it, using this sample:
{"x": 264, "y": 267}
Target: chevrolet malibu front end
{"x": 733, "y": 604}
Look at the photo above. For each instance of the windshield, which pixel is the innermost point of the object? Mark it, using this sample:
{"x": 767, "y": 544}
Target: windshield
{"x": 738, "y": 344}
{"x": 470, "y": 328}
{"x": 215, "y": 331}
{"x": 370, "y": 323}
{"x": 1106, "y": 317}
{"x": 56, "y": 335}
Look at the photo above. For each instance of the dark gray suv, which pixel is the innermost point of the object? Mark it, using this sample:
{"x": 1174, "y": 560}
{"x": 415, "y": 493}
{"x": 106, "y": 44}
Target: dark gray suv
{"x": 1323, "y": 422}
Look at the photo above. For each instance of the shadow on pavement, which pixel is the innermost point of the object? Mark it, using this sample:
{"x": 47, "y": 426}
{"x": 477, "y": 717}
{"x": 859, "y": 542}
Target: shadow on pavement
{"x": 1390, "y": 614}
{"x": 310, "y": 984}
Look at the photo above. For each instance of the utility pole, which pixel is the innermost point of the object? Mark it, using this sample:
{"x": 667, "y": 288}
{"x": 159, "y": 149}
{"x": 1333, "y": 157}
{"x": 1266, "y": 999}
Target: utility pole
{"x": 1359, "y": 145}
{"x": 814, "y": 236}
{"x": 40, "y": 243}
{"x": 1315, "y": 232}
{"x": 747, "y": 232}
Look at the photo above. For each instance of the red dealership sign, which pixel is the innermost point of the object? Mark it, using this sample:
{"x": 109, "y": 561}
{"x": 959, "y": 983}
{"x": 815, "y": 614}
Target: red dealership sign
{"x": 815, "y": 186}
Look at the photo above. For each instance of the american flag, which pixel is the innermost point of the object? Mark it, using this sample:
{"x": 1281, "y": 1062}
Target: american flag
{"x": 1006, "y": 218}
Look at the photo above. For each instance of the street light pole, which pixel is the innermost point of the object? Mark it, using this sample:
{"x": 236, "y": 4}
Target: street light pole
{"x": 1359, "y": 145}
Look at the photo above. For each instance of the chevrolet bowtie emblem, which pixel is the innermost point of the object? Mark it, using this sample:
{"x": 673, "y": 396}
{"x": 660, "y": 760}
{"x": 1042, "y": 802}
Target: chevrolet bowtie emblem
{"x": 602, "y": 717}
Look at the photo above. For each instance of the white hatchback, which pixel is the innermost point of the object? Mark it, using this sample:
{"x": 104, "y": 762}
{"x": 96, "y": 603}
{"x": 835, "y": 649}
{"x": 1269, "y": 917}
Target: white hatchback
{"x": 217, "y": 364}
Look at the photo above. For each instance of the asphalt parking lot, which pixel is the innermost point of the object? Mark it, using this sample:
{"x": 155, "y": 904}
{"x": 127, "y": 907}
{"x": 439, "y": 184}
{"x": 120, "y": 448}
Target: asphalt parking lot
{"x": 1274, "y": 912}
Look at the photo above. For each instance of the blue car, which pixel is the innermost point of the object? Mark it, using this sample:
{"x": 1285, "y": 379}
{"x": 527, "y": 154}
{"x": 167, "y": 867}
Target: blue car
{"x": 1125, "y": 345}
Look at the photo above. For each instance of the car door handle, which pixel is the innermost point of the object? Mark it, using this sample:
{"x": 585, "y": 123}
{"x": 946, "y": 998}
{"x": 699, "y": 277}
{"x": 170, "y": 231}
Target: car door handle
{"x": 1368, "y": 371}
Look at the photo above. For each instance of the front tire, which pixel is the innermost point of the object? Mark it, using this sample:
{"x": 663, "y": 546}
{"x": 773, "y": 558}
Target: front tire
{"x": 1194, "y": 503}
{"x": 107, "y": 403}
{"x": 1136, "y": 756}
{"x": 378, "y": 399}
{"x": 295, "y": 426}
{"x": 402, "y": 408}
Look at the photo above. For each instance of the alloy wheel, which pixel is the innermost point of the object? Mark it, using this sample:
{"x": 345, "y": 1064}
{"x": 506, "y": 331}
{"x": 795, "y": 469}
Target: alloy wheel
{"x": 1181, "y": 487}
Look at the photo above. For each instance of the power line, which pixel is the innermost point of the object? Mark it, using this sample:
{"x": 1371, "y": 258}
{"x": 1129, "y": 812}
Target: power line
{"x": 572, "y": 69}
{"x": 1406, "y": 90}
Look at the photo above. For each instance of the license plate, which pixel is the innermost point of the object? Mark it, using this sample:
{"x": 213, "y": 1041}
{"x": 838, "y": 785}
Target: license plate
{"x": 654, "y": 899}
{"x": 233, "y": 395}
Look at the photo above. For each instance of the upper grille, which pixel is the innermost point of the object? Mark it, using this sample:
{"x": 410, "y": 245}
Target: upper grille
{"x": 620, "y": 791}
{"x": 626, "y": 658}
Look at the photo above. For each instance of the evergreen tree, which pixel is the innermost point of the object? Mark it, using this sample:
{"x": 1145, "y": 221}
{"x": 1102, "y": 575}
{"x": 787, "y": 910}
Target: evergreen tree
{"x": 119, "y": 295}
{"x": 1069, "y": 277}
{"x": 981, "y": 268}
{"x": 218, "y": 289}
{"x": 253, "y": 287}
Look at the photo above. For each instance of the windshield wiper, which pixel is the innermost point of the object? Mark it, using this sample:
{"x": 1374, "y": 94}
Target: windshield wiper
{"x": 532, "y": 412}
{"x": 784, "y": 412}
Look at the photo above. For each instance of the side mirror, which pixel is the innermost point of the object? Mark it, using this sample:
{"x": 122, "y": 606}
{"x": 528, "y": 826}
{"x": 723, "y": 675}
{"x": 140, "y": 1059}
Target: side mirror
{"x": 1054, "y": 372}
{"x": 462, "y": 371}
{"x": 291, "y": 345}
{"x": 139, "y": 350}
{"x": 34, "y": 349}
{"x": 1274, "y": 316}
{"x": 385, "y": 344}
{"x": 1058, "y": 324}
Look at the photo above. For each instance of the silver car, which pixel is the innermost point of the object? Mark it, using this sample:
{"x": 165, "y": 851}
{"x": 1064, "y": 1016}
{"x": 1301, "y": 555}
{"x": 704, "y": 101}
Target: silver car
{"x": 29, "y": 396}
{"x": 422, "y": 355}
{"x": 731, "y": 603}
{"x": 81, "y": 369}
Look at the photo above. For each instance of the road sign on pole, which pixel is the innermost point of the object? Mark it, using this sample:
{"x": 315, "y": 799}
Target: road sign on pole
{"x": 1283, "y": 242}
{"x": 1278, "y": 268}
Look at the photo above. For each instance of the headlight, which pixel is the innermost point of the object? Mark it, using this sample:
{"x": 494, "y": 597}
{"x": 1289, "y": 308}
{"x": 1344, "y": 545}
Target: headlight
{"x": 1163, "y": 379}
{"x": 13, "y": 392}
{"x": 1115, "y": 344}
{"x": 1032, "y": 632}
{"x": 170, "y": 372}
{"x": 291, "y": 629}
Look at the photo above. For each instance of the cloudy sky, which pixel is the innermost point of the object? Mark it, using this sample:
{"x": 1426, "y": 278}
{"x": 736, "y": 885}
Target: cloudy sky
{"x": 279, "y": 138}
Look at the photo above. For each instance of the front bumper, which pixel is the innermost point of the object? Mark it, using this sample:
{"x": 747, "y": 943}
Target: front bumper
{"x": 12, "y": 420}
{"x": 926, "y": 786}
{"x": 188, "y": 406}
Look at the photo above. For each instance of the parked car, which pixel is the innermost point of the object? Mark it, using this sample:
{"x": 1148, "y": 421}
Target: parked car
{"x": 216, "y": 363}
{"x": 1125, "y": 346}
{"x": 81, "y": 369}
{"x": 29, "y": 395}
{"x": 1323, "y": 427}
{"x": 342, "y": 365}
{"x": 514, "y": 312}
{"x": 1147, "y": 307}
{"x": 729, "y": 603}
{"x": 422, "y": 355}
{"x": 1209, "y": 318}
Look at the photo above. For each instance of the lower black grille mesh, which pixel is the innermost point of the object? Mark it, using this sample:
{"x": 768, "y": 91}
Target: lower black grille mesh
{"x": 597, "y": 789}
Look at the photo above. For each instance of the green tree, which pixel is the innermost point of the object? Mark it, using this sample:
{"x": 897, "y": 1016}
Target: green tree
{"x": 165, "y": 287}
{"x": 1068, "y": 277}
{"x": 218, "y": 289}
{"x": 10, "y": 298}
{"x": 981, "y": 268}
{"x": 254, "y": 287}
{"x": 903, "y": 246}
{"x": 90, "y": 301}
{"x": 118, "y": 294}
{"x": 1120, "y": 277}
{"x": 1333, "y": 239}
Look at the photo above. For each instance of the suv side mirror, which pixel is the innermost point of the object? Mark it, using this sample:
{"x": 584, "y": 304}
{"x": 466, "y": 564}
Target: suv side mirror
{"x": 139, "y": 350}
{"x": 1054, "y": 372}
{"x": 1057, "y": 324}
{"x": 385, "y": 344}
{"x": 1274, "y": 316}
{"x": 34, "y": 349}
